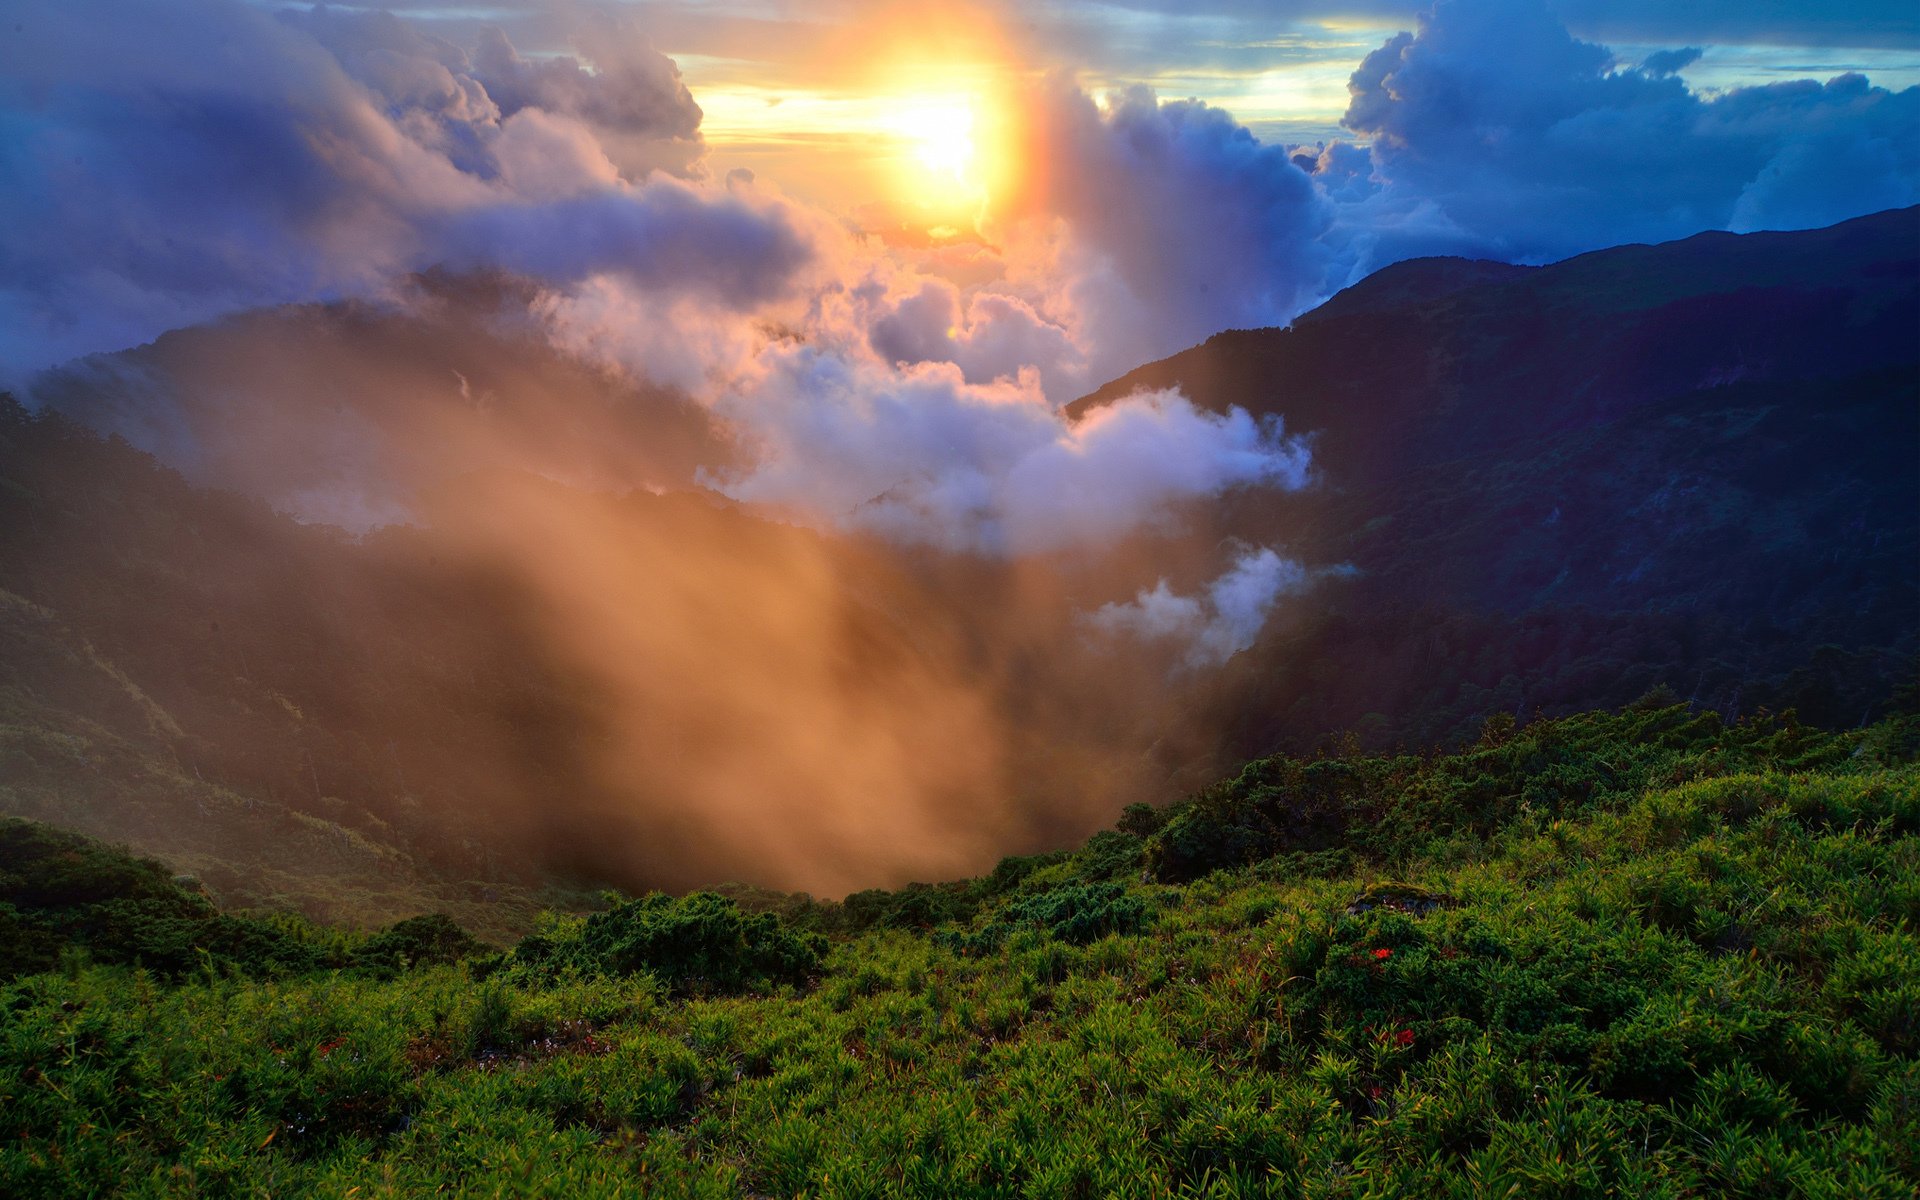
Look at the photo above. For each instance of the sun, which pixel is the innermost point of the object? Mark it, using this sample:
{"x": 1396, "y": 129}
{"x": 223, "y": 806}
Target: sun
{"x": 942, "y": 133}
{"x": 942, "y": 172}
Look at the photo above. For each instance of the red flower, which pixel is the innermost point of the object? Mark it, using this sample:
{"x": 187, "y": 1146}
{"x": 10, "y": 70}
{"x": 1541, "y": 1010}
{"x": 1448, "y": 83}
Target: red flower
{"x": 1404, "y": 1037}
{"x": 1383, "y": 953}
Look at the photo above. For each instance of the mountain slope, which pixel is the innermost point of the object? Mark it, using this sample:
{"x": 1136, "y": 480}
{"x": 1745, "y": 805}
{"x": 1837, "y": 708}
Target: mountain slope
{"x": 1640, "y": 954}
{"x": 1691, "y": 464}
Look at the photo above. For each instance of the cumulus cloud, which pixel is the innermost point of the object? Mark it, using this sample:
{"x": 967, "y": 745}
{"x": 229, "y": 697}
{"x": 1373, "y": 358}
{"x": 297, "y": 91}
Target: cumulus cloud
{"x": 1219, "y": 622}
{"x": 922, "y": 455}
{"x": 1495, "y": 131}
{"x": 629, "y": 94}
{"x": 1178, "y": 222}
{"x": 667, "y": 237}
{"x": 990, "y": 335}
{"x": 172, "y": 162}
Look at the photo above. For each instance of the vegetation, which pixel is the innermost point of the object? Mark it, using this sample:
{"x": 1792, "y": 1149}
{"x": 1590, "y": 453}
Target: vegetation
{"x": 700, "y": 943}
{"x": 66, "y": 901}
{"x": 1647, "y": 953}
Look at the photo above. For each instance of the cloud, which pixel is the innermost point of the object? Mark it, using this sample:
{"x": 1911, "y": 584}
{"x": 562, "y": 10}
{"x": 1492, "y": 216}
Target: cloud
{"x": 183, "y": 161}
{"x": 174, "y": 162}
{"x": 1179, "y": 222}
{"x": 1671, "y": 62}
{"x": 1779, "y": 22}
{"x": 630, "y": 94}
{"x": 541, "y": 157}
{"x": 920, "y": 455}
{"x": 615, "y": 83}
{"x": 1213, "y": 626}
{"x": 668, "y": 237}
{"x": 1494, "y": 130}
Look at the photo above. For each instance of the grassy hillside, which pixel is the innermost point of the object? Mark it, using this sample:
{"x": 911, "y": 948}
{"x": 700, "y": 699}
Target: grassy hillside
{"x": 1638, "y": 954}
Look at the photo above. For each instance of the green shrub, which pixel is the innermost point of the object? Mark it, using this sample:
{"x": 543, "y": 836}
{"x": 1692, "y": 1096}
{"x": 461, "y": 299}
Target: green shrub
{"x": 1077, "y": 912}
{"x": 427, "y": 940}
{"x": 63, "y": 894}
{"x": 916, "y": 906}
{"x": 697, "y": 943}
{"x": 1109, "y": 854}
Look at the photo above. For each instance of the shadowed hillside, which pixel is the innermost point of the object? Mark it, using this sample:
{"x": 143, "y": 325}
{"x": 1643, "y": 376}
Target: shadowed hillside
{"x": 1689, "y": 464}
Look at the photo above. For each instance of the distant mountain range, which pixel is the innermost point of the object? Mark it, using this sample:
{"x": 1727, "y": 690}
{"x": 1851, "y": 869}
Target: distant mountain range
{"x": 1693, "y": 466}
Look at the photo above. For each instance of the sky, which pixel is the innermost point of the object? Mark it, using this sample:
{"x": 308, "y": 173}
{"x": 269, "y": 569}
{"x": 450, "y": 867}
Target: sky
{"x": 810, "y": 92}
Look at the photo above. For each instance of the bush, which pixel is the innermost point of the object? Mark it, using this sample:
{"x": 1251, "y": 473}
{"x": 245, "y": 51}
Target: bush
{"x": 427, "y": 940}
{"x": 64, "y": 895}
{"x": 698, "y": 943}
{"x": 1075, "y": 912}
{"x": 916, "y": 906}
{"x": 1109, "y": 855}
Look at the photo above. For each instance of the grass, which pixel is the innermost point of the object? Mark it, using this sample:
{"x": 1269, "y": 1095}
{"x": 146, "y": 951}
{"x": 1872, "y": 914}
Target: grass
{"x": 1636, "y": 954}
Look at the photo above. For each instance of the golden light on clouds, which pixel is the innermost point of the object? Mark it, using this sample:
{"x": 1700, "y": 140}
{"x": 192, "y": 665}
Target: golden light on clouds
{"x": 899, "y": 120}
{"x": 929, "y": 158}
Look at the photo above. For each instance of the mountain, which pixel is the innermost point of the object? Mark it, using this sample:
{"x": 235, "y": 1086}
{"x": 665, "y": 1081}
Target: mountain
{"x": 1538, "y": 490}
{"x": 1691, "y": 464}
{"x": 348, "y": 412}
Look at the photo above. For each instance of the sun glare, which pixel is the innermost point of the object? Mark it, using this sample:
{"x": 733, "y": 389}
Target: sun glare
{"x": 942, "y": 172}
{"x": 942, "y": 132}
